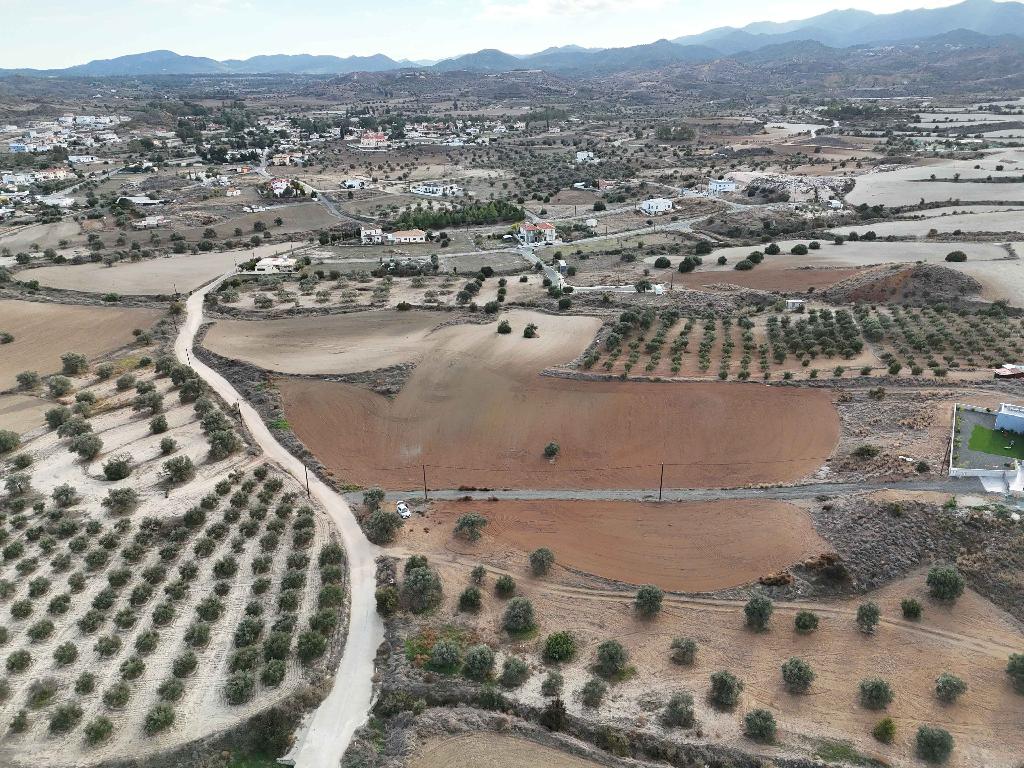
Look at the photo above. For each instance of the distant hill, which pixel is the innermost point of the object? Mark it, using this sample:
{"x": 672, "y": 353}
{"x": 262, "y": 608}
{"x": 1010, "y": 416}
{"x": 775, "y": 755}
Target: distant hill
{"x": 994, "y": 24}
{"x": 852, "y": 27}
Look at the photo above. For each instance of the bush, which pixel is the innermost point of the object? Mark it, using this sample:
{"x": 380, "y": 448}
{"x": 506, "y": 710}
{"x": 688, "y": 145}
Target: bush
{"x": 725, "y": 690}
{"x": 684, "y": 649}
{"x": 805, "y": 622}
{"x": 885, "y": 731}
{"x": 559, "y": 647}
{"x": 65, "y": 717}
{"x": 273, "y": 673}
{"x": 179, "y": 469}
{"x": 797, "y": 675}
{"x": 117, "y": 696}
{"x": 875, "y": 693}
{"x": 744, "y": 265}
{"x": 868, "y": 615}
{"x": 911, "y": 609}
{"x": 949, "y": 688}
{"x": 98, "y": 730}
{"x": 662, "y": 262}
{"x": 170, "y": 689}
{"x": 551, "y": 450}
{"x": 592, "y": 693}
{"x": 184, "y": 665}
{"x": 1015, "y": 669}
{"x": 470, "y": 599}
{"x": 168, "y": 446}
{"x": 118, "y": 467}
{"x": 759, "y": 725}
{"x": 65, "y": 653}
{"x": 387, "y": 601}
{"x": 612, "y": 658}
{"x": 470, "y": 525}
{"x": 541, "y": 561}
{"x": 945, "y": 583}
{"x": 679, "y": 711}
{"x": 27, "y": 380}
{"x": 421, "y": 589}
{"x": 59, "y": 386}
{"x": 445, "y": 656}
{"x": 519, "y": 617}
{"x": 239, "y": 688}
{"x": 552, "y": 684}
{"x": 9, "y": 440}
{"x": 933, "y": 744}
{"x": 866, "y": 451}
{"x": 158, "y": 424}
{"x": 121, "y": 500}
{"x": 86, "y": 445}
{"x": 956, "y": 256}
{"x": 504, "y": 327}
{"x": 758, "y": 611}
{"x": 514, "y": 672}
{"x": 648, "y": 600}
{"x": 505, "y": 585}
{"x": 479, "y": 663}
{"x": 310, "y": 646}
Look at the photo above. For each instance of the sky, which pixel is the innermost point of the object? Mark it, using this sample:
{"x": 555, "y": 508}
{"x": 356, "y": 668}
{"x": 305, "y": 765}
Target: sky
{"x": 49, "y": 34}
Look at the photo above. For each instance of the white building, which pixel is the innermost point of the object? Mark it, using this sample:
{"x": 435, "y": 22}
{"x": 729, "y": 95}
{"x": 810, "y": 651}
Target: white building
{"x": 373, "y": 141}
{"x": 795, "y": 305}
{"x": 436, "y": 189}
{"x": 371, "y": 236}
{"x": 274, "y": 264}
{"x": 233, "y": 193}
{"x": 585, "y": 157}
{"x": 408, "y": 236}
{"x": 150, "y": 222}
{"x": 720, "y": 187}
{"x": 83, "y": 159}
{"x": 656, "y": 206}
{"x": 1010, "y": 418}
{"x": 278, "y": 186}
{"x": 537, "y": 234}
{"x": 354, "y": 183}
{"x": 140, "y": 200}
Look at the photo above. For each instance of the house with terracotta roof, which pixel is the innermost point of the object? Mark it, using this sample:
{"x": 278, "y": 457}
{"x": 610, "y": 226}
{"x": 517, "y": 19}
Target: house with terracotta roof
{"x": 542, "y": 233}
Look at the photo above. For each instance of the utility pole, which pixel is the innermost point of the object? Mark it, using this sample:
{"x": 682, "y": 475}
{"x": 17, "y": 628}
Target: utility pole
{"x": 661, "y": 483}
{"x": 307, "y": 480}
{"x": 424, "y": 468}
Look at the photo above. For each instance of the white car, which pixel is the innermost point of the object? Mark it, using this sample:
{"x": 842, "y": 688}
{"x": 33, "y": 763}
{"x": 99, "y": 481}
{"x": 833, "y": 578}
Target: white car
{"x": 403, "y": 510}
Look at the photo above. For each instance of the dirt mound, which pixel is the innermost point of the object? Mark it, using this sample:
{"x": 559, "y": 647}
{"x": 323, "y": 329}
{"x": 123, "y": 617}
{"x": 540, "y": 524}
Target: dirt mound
{"x": 901, "y": 284}
{"x": 689, "y": 547}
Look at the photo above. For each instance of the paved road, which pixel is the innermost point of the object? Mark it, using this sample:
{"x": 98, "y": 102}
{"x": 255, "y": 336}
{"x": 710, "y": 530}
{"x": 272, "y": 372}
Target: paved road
{"x": 329, "y": 730}
{"x": 951, "y": 485}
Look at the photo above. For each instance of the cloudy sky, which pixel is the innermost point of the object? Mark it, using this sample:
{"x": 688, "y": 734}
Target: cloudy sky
{"x": 59, "y": 33}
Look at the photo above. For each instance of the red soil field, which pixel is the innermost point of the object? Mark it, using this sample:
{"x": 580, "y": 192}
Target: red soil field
{"x": 763, "y": 278}
{"x": 481, "y": 425}
{"x": 688, "y": 547}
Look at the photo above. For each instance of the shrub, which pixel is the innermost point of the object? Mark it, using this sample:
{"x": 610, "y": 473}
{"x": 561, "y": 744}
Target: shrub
{"x": 118, "y": 467}
{"x": 170, "y": 689}
{"x": 98, "y": 730}
{"x": 387, "y": 600}
{"x": 58, "y": 386}
{"x": 725, "y": 690}
{"x": 470, "y": 599}
{"x": 933, "y": 744}
{"x": 470, "y": 525}
{"x": 65, "y": 717}
{"x": 479, "y": 663}
{"x": 759, "y": 725}
{"x": 679, "y": 711}
{"x": 684, "y": 649}
{"x": 239, "y": 688}
{"x": 662, "y": 262}
{"x": 87, "y": 445}
{"x": 514, "y": 672}
{"x": 505, "y": 585}
{"x": 866, "y": 451}
{"x": 949, "y": 688}
{"x": 1015, "y": 669}
{"x": 9, "y": 441}
{"x": 797, "y": 675}
{"x": 758, "y": 611}
{"x": 117, "y": 696}
{"x": 107, "y": 645}
{"x": 519, "y": 617}
{"x": 592, "y": 693}
{"x": 179, "y": 469}
{"x": 744, "y": 265}
{"x": 421, "y": 589}
{"x": 612, "y": 658}
{"x": 868, "y": 615}
{"x": 551, "y": 450}
{"x": 273, "y": 673}
{"x": 73, "y": 364}
{"x": 541, "y": 561}
{"x": 945, "y": 583}
{"x": 27, "y": 380}
{"x": 504, "y": 327}
{"x": 382, "y": 525}
{"x": 121, "y": 500}
{"x": 184, "y": 665}
{"x": 310, "y": 646}
{"x": 885, "y": 730}
{"x": 956, "y": 256}
{"x": 559, "y": 647}
{"x": 445, "y": 656}
{"x": 806, "y": 622}
{"x": 85, "y": 683}
{"x": 911, "y": 609}
{"x": 875, "y": 693}
{"x": 65, "y": 653}
{"x": 648, "y": 600}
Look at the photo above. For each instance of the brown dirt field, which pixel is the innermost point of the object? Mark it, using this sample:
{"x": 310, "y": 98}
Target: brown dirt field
{"x": 477, "y": 413}
{"x": 688, "y": 547}
{"x": 488, "y": 750}
{"x": 43, "y": 332}
{"x": 21, "y": 413}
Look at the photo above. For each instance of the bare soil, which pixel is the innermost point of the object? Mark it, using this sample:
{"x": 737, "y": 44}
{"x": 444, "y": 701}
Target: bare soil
{"x": 489, "y": 750}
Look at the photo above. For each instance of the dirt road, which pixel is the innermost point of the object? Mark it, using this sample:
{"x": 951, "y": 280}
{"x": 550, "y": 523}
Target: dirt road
{"x": 327, "y": 733}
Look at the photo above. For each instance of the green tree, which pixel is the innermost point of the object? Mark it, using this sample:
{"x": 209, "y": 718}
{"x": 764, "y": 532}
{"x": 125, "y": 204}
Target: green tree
{"x": 805, "y": 622}
{"x": 559, "y": 647}
{"x": 758, "y": 612}
{"x": 725, "y": 690}
{"x": 612, "y": 658}
{"x": 949, "y": 688}
{"x": 519, "y": 616}
{"x": 648, "y": 600}
{"x": 875, "y": 693}
{"x": 933, "y": 745}
{"x": 945, "y": 583}
{"x": 470, "y": 525}
{"x": 679, "y": 711}
{"x": 541, "y": 561}
{"x": 759, "y": 725}
{"x": 797, "y": 675}
{"x": 868, "y": 615}
{"x": 478, "y": 663}
{"x": 684, "y": 649}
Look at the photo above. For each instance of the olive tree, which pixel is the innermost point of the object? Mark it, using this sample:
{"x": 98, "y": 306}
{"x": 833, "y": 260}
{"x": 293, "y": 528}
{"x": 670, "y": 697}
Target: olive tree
{"x": 758, "y": 611}
{"x": 945, "y": 583}
{"x": 541, "y": 561}
{"x": 797, "y": 675}
{"x": 648, "y": 600}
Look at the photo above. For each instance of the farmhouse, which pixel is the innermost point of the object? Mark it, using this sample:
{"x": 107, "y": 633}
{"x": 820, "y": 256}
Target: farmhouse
{"x": 373, "y": 141}
{"x": 278, "y": 186}
{"x": 435, "y": 189}
{"x": 720, "y": 187}
{"x": 537, "y": 234}
{"x": 585, "y": 157}
{"x": 1010, "y": 418}
{"x": 795, "y": 305}
{"x": 371, "y": 236}
{"x": 140, "y": 201}
{"x": 656, "y": 206}
{"x": 150, "y": 222}
{"x": 408, "y": 236}
{"x": 274, "y": 264}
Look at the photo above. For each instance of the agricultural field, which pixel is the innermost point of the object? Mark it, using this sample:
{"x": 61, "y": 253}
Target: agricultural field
{"x": 159, "y": 583}
{"x": 493, "y": 751}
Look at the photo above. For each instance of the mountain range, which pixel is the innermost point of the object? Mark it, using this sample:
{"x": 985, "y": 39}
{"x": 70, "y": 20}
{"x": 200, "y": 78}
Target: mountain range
{"x": 835, "y": 29}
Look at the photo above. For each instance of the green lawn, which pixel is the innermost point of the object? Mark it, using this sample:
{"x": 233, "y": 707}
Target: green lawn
{"x": 989, "y": 441}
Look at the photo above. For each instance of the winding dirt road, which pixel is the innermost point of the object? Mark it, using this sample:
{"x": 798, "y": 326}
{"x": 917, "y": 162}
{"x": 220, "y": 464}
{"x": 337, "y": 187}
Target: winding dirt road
{"x": 328, "y": 731}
